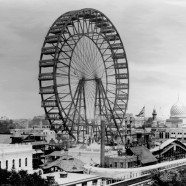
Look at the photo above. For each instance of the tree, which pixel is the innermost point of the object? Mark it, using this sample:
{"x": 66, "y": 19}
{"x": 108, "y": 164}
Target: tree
{"x": 167, "y": 178}
{"x": 4, "y": 175}
{"x": 21, "y": 178}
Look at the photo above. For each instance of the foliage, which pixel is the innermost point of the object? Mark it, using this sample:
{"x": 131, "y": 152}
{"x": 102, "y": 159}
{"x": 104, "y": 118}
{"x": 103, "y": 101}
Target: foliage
{"x": 36, "y": 121}
{"x": 21, "y": 178}
{"x": 167, "y": 178}
{"x": 6, "y": 125}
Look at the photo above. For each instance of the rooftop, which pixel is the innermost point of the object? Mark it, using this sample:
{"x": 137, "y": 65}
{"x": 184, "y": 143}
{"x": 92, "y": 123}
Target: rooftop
{"x": 67, "y": 163}
{"x": 72, "y": 178}
{"x": 163, "y": 145}
{"x": 144, "y": 154}
{"x": 11, "y": 148}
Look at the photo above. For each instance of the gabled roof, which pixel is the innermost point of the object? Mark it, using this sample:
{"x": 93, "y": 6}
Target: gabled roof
{"x": 38, "y": 151}
{"x": 56, "y": 153}
{"x": 145, "y": 156}
{"x": 164, "y": 144}
{"x": 167, "y": 142}
{"x": 66, "y": 163}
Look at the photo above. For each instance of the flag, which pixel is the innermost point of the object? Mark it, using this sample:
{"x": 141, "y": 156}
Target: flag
{"x": 142, "y": 113}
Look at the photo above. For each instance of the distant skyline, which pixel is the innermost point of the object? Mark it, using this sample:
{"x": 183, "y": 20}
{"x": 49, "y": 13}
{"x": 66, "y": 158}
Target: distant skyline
{"x": 153, "y": 33}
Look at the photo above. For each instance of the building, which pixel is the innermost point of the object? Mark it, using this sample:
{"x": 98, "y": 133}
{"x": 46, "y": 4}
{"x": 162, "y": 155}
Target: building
{"x": 32, "y": 134}
{"x": 169, "y": 150}
{"x": 177, "y": 116}
{"x": 120, "y": 161}
{"x": 75, "y": 179}
{"x": 16, "y": 157}
{"x": 90, "y": 154}
{"x": 132, "y": 157}
{"x": 139, "y": 122}
{"x": 62, "y": 162}
{"x": 175, "y": 126}
{"x": 162, "y": 134}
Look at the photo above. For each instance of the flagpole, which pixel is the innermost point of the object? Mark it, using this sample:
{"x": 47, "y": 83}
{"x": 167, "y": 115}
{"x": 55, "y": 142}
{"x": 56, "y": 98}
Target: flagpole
{"x": 142, "y": 119}
{"x": 144, "y": 124}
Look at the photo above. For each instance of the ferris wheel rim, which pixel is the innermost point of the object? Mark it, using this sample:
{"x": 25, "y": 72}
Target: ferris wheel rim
{"x": 76, "y": 13}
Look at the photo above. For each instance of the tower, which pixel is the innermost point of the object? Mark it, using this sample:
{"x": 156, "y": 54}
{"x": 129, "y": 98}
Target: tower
{"x": 154, "y": 114}
{"x": 154, "y": 118}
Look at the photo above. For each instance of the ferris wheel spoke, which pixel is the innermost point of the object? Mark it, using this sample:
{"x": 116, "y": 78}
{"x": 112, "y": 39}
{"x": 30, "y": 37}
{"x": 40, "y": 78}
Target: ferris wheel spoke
{"x": 77, "y": 68}
{"x": 80, "y": 26}
{"x": 79, "y": 53}
{"x": 79, "y": 65}
{"x": 85, "y": 25}
{"x": 90, "y": 29}
{"x": 95, "y": 70}
{"x": 66, "y": 94}
{"x": 97, "y": 38}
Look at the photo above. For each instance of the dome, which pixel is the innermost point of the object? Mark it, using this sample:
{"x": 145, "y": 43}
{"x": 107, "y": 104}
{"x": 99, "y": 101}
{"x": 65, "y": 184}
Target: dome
{"x": 178, "y": 110}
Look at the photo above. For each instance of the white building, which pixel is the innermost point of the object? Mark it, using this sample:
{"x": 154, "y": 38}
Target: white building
{"x": 45, "y": 132}
{"x": 16, "y": 156}
{"x": 139, "y": 121}
{"x": 177, "y": 116}
{"x": 175, "y": 125}
{"x": 49, "y": 135}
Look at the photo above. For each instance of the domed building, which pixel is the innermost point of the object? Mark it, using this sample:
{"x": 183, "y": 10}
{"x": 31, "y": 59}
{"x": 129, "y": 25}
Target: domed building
{"x": 175, "y": 126}
{"x": 177, "y": 116}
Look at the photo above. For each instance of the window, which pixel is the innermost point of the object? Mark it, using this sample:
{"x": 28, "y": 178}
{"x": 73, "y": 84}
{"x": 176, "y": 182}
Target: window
{"x": 26, "y": 162}
{"x": 6, "y": 164}
{"x": 121, "y": 164}
{"x": 161, "y": 134}
{"x": 115, "y": 163}
{"x": 13, "y": 164}
{"x": 129, "y": 164}
{"x": 19, "y": 162}
{"x": 166, "y": 135}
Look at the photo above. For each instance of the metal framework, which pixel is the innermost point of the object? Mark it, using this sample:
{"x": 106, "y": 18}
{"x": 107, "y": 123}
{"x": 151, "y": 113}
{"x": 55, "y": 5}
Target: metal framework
{"x": 83, "y": 74}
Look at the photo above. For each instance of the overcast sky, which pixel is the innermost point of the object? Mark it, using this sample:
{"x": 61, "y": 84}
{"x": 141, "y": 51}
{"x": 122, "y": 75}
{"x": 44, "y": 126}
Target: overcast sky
{"x": 153, "y": 32}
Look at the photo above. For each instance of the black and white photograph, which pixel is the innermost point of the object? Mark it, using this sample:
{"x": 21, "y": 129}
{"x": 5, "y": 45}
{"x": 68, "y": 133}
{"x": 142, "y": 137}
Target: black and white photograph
{"x": 93, "y": 93}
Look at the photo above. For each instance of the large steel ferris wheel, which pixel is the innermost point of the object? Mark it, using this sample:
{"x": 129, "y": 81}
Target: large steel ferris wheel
{"x": 84, "y": 74}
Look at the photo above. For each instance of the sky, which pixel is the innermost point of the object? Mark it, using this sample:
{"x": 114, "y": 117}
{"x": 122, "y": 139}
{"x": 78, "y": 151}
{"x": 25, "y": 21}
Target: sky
{"x": 153, "y": 33}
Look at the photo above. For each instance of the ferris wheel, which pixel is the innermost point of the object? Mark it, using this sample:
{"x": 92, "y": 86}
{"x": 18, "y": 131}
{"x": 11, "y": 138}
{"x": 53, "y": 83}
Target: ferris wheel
{"x": 83, "y": 74}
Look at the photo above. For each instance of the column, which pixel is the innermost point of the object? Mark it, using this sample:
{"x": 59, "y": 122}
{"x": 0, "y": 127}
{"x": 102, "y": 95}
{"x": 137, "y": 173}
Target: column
{"x": 102, "y": 158}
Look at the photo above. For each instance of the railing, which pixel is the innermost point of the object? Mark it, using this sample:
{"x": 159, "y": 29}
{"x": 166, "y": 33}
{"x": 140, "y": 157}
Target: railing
{"x": 131, "y": 181}
{"x": 146, "y": 183}
{"x": 145, "y": 179}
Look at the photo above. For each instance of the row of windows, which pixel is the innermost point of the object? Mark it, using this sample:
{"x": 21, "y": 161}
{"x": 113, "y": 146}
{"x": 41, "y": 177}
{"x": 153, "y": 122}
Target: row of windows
{"x": 173, "y": 133}
{"x": 13, "y": 163}
{"x": 121, "y": 164}
{"x": 167, "y": 135}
